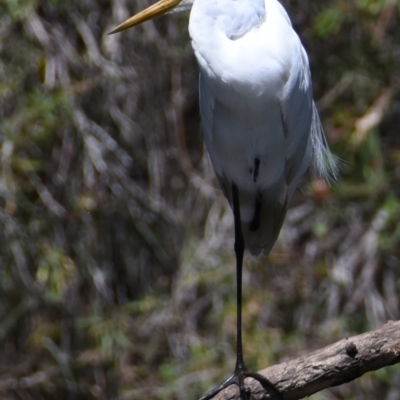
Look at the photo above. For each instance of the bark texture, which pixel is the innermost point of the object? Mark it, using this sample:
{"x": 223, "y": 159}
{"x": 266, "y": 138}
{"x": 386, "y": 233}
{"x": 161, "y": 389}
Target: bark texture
{"x": 333, "y": 365}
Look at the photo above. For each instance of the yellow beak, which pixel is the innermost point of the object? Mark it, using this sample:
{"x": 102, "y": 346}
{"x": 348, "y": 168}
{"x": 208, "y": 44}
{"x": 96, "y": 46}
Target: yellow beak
{"x": 155, "y": 10}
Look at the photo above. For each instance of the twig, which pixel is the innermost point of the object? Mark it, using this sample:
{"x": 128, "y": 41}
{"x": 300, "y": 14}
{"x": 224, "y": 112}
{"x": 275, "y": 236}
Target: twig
{"x": 333, "y": 365}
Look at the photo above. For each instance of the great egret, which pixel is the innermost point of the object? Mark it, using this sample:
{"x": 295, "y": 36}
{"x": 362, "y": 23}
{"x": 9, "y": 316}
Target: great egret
{"x": 261, "y": 126}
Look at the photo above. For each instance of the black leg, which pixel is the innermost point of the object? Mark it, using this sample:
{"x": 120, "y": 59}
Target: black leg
{"x": 241, "y": 372}
{"x": 239, "y": 251}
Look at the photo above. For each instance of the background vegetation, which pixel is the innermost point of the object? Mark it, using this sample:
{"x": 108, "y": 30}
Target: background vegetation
{"x": 116, "y": 261}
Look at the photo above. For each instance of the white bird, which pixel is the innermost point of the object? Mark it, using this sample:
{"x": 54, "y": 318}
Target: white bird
{"x": 261, "y": 126}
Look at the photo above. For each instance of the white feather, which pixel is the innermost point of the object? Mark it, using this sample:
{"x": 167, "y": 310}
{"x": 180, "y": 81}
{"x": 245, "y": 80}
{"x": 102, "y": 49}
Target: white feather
{"x": 256, "y": 104}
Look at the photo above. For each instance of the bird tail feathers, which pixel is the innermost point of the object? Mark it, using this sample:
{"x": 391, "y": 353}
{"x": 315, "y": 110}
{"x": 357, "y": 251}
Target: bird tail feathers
{"x": 324, "y": 163}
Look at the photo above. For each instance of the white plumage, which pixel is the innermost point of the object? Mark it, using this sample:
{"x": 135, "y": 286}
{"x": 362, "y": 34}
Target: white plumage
{"x": 256, "y": 108}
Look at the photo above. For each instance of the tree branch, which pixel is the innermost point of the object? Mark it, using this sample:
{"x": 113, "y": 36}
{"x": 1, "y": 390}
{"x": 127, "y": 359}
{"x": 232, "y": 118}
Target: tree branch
{"x": 333, "y": 365}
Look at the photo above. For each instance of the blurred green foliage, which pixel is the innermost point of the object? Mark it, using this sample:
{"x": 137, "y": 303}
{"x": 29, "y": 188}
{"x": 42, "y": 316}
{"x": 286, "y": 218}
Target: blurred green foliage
{"x": 116, "y": 261}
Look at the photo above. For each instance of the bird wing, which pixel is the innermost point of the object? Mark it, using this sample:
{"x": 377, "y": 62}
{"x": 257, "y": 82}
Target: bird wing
{"x": 259, "y": 119}
{"x": 287, "y": 155}
{"x": 297, "y": 118}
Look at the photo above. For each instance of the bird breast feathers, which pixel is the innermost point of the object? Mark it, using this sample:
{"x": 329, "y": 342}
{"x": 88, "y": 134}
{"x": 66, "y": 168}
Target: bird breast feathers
{"x": 255, "y": 61}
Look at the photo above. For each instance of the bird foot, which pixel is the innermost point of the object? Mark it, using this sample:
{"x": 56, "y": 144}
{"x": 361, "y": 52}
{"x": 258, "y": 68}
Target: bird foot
{"x": 238, "y": 378}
